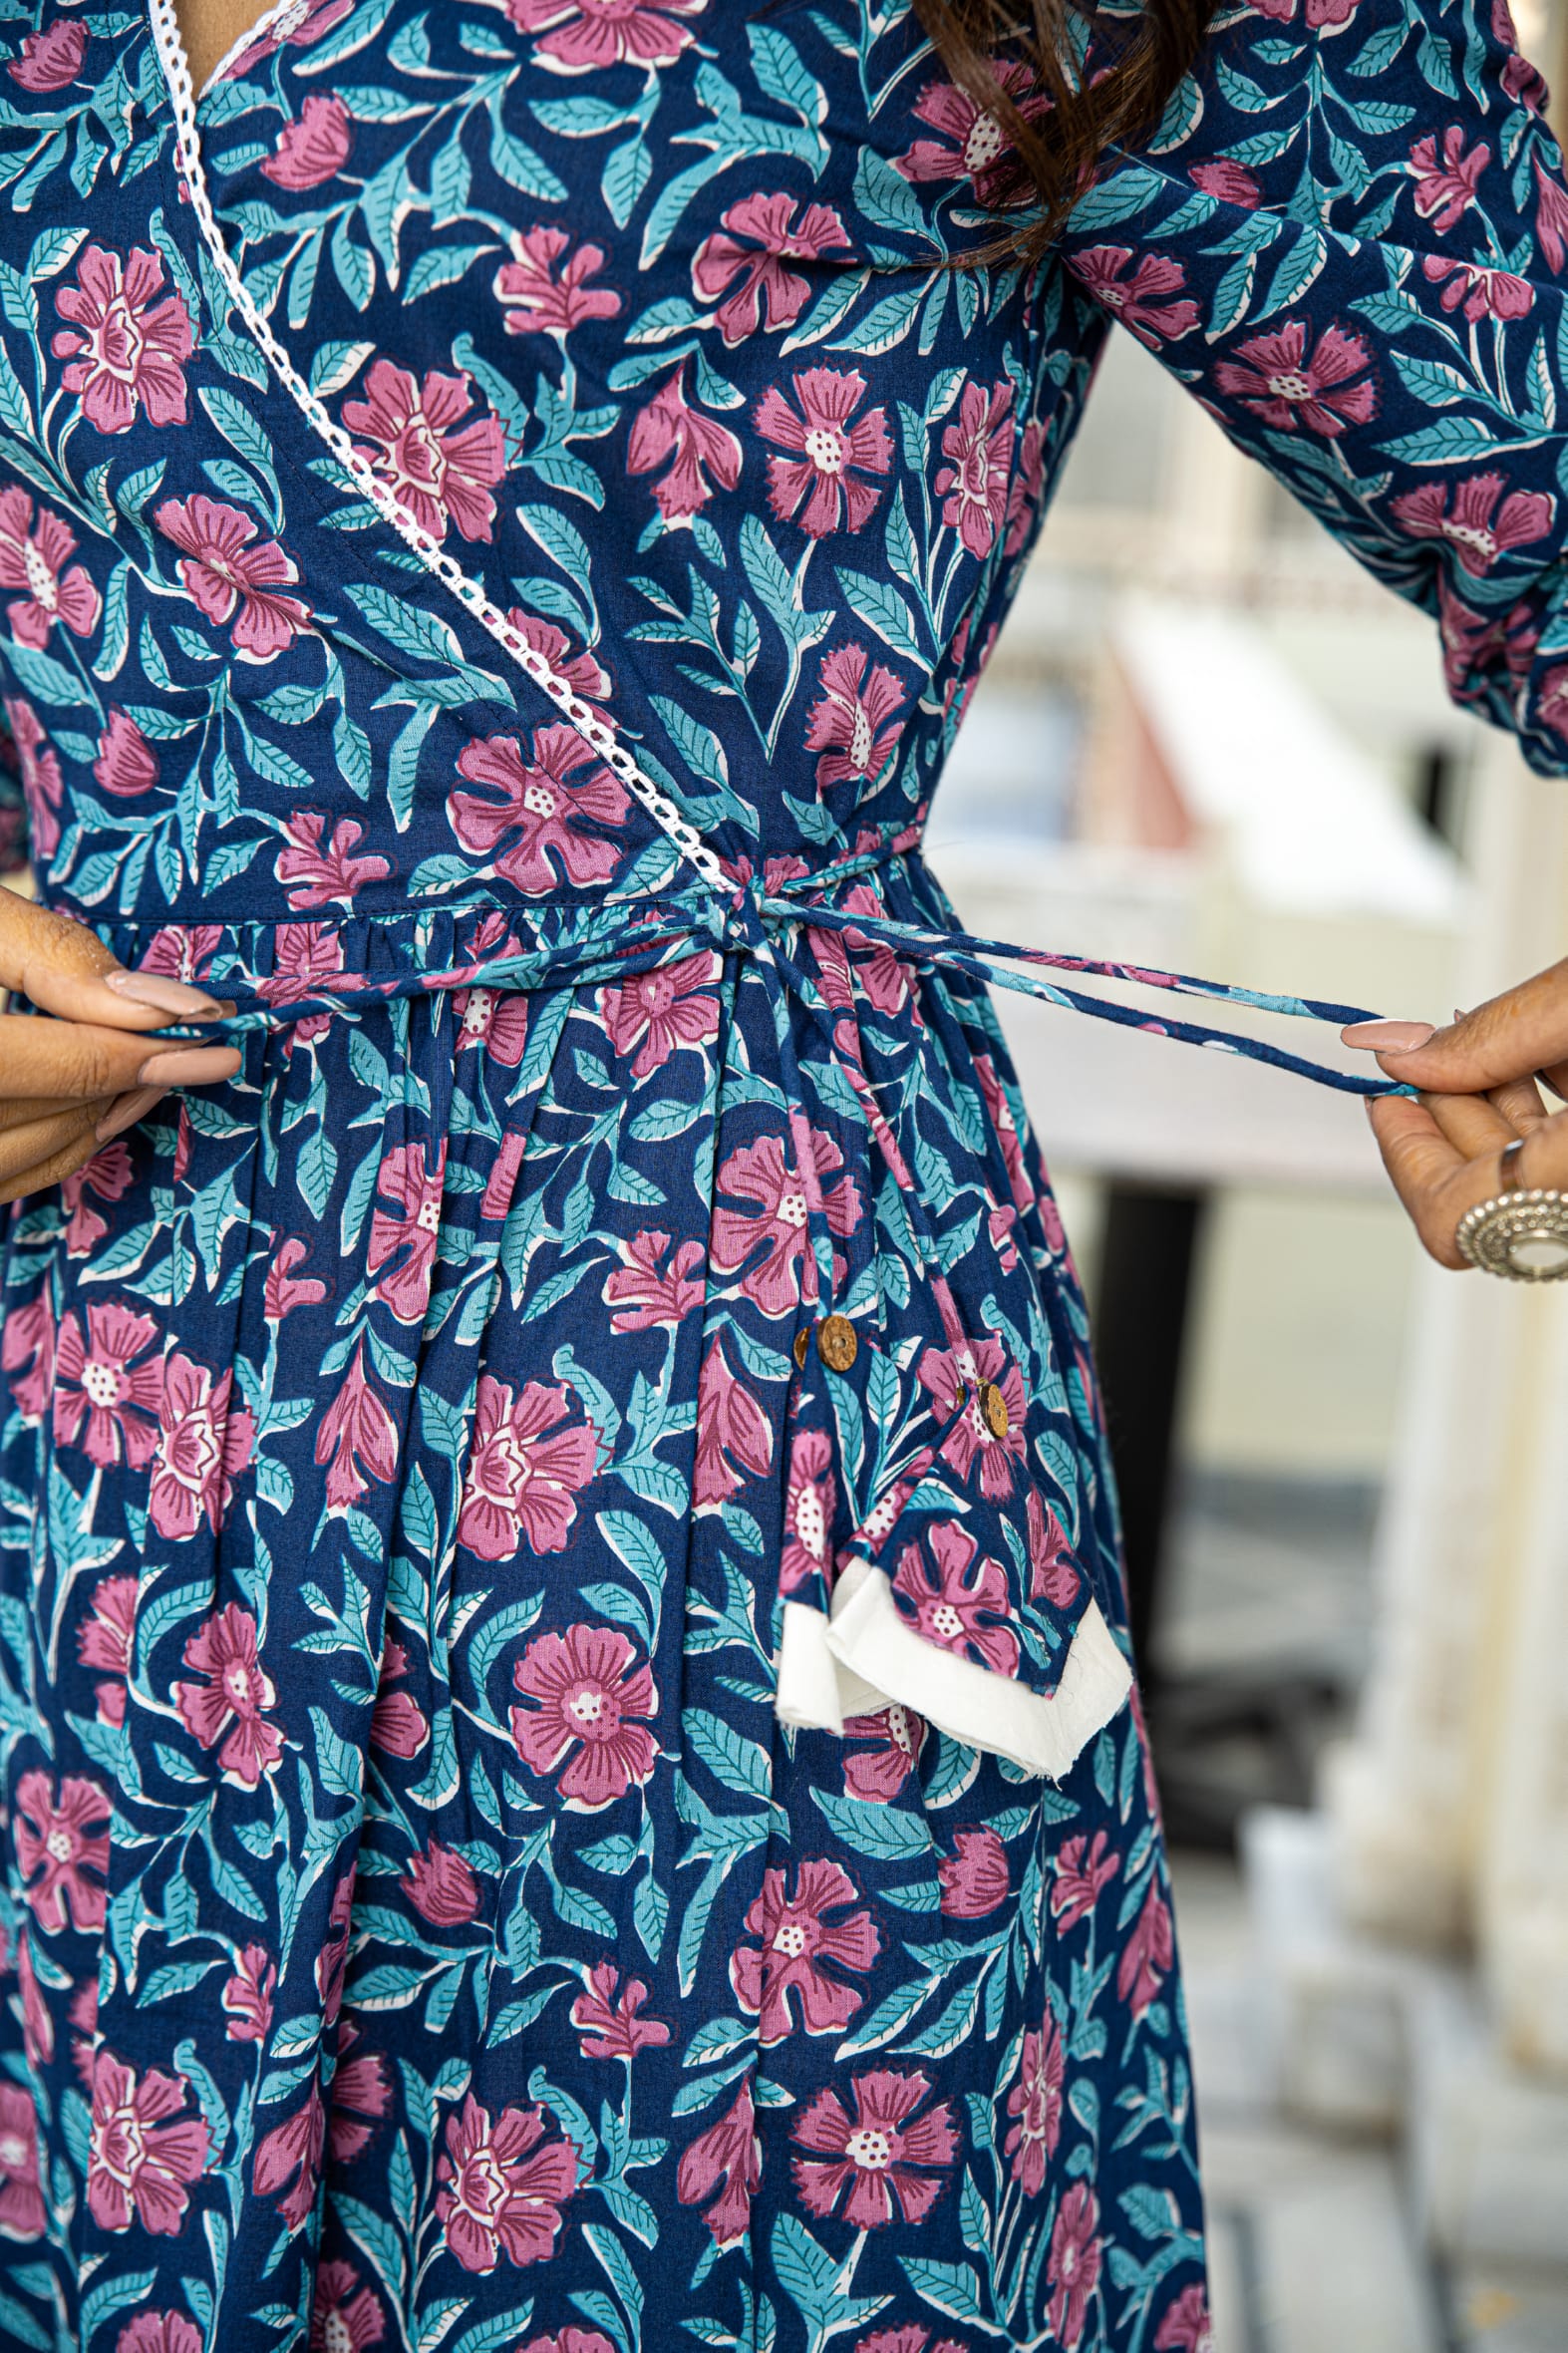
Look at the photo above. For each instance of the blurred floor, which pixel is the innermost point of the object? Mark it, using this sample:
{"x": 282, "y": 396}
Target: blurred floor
{"x": 1311, "y": 2243}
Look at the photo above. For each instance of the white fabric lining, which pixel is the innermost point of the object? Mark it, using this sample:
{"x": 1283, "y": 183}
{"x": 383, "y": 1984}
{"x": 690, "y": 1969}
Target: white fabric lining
{"x": 866, "y": 1655}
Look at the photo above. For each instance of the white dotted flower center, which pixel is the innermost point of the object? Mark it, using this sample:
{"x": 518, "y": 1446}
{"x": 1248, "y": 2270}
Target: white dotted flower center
{"x": 336, "y": 2335}
{"x": 429, "y": 1218}
{"x": 477, "y": 1014}
{"x": 59, "y": 1845}
{"x": 946, "y": 1621}
{"x": 586, "y": 1707}
{"x": 824, "y": 446}
{"x": 869, "y": 2149}
{"x": 984, "y": 144}
{"x": 102, "y": 1381}
{"x": 898, "y": 1730}
{"x": 789, "y": 1939}
{"x": 1466, "y": 535}
{"x": 860, "y": 740}
{"x": 538, "y": 801}
{"x": 13, "y": 2154}
{"x": 1290, "y": 387}
{"x": 792, "y": 1208}
{"x": 40, "y": 579}
{"x": 236, "y": 1686}
{"x": 809, "y": 1523}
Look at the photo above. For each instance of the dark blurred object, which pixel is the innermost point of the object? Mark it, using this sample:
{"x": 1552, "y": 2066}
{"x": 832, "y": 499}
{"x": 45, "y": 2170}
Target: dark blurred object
{"x": 1233, "y": 1737}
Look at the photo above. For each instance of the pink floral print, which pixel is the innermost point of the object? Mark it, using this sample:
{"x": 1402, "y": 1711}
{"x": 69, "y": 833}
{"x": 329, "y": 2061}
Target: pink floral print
{"x": 589, "y": 1715}
{"x": 440, "y": 469}
{"x": 130, "y": 340}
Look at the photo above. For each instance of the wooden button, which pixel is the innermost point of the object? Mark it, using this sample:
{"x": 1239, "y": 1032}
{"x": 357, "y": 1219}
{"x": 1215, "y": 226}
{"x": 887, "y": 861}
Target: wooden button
{"x": 993, "y": 1406}
{"x": 837, "y": 1343}
{"x": 800, "y": 1349}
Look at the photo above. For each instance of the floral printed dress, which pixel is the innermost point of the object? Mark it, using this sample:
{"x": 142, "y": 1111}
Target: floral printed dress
{"x": 570, "y": 1769}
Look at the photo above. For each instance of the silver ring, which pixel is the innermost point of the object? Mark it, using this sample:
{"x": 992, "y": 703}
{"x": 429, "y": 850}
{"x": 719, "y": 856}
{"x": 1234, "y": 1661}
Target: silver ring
{"x": 1522, "y": 1236}
{"x": 1508, "y": 1178}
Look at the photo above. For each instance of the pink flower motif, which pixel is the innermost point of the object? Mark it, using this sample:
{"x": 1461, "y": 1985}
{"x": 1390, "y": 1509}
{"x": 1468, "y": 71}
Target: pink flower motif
{"x": 63, "y": 1837}
{"x": 183, "y": 950}
{"x": 313, "y": 150}
{"x": 22, "y": 2213}
{"x": 497, "y": 1020}
{"x": 346, "y": 2316}
{"x": 227, "y": 1704}
{"x": 438, "y": 469}
{"x": 776, "y": 1217}
{"x": 332, "y": 1959}
{"x": 1186, "y": 2327}
{"x": 130, "y": 348}
{"x": 1229, "y": 184}
{"x": 201, "y": 1447}
{"x": 1551, "y": 214}
{"x": 1053, "y": 1574}
{"x": 741, "y": 264}
{"x": 107, "y": 1177}
{"x": 1475, "y": 526}
{"x": 973, "y": 486}
{"x": 1023, "y": 499}
{"x": 884, "y": 978}
{"x": 1082, "y": 1871}
{"x": 911, "y": 2339}
{"x": 544, "y": 805}
{"x": 42, "y": 786}
{"x": 570, "y": 2340}
{"x": 1274, "y": 376}
{"x": 648, "y": 1297}
{"x": 1147, "y": 1954}
{"x": 1486, "y": 293}
{"x": 796, "y": 1938}
{"x": 38, "y": 2027}
{"x": 247, "y": 1996}
{"x": 540, "y": 300}
{"x": 316, "y": 869}
{"x": 970, "y": 142}
{"x": 856, "y": 722}
{"x": 821, "y": 483}
{"x": 810, "y": 1501}
{"x": 292, "y": 2152}
{"x": 127, "y": 763}
{"x": 307, "y": 961}
{"x": 728, "y": 2157}
{"x": 38, "y": 560}
{"x": 230, "y": 579}
{"x": 299, "y": 24}
{"x": 503, "y": 2187}
{"x": 662, "y": 1010}
{"x": 99, "y": 1382}
{"x": 440, "y": 1886}
{"x": 1141, "y": 300}
{"x": 1036, "y": 2102}
{"x": 669, "y": 427}
{"x": 591, "y": 1707}
{"x": 105, "y": 1637}
{"x": 283, "y": 1290}
{"x": 954, "y": 1377}
{"x": 398, "y": 1723}
{"x": 885, "y": 2157}
{"x": 610, "y": 2023}
{"x": 586, "y": 36}
{"x": 894, "y": 1737}
{"x": 1318, "y": 15}
{"x": 956, "y": 1598}
{"x": 27, "y": 1352}
{"x": 582, "y": 672}
{"x": 143, "y": 2155}
{"x": 524, "y": 1472}
{"x": 52, "y": 59}
{"x": 1073, "y": 2266}
{"x": 401, "y": 1248}
{"x": 735, "y": 1440}
{"x": 357, "y": 1438}
{"x": 975, "y": 1877}
{"x": 1446, "y": 189}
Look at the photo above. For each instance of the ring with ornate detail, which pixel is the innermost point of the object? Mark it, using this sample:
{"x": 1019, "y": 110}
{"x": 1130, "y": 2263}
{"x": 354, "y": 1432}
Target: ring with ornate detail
{"x": 1522, "y": 1235}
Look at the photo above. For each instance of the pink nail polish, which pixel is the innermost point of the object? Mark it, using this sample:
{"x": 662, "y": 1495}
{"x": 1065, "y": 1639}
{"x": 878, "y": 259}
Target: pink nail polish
{"x": 126, "y": 1110}
{"x": 1389, "y": 1037}
{"x": 193, "y": 1066}
{"x": 165, "y": 995}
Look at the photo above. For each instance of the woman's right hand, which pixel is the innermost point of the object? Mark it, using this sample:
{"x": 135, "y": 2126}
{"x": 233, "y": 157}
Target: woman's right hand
{"x": 67, "y": 1084}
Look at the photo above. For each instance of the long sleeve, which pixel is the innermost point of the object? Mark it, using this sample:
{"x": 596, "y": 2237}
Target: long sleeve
{"x": 1350, "y": 238}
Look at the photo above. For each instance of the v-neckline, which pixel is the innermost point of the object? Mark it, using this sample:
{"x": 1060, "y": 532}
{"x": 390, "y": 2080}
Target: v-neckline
{"x": 180, "y": 57}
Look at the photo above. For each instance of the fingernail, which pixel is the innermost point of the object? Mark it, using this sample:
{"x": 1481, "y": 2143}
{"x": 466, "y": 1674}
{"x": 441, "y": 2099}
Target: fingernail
{"x": 126, "y": 1110}
{"x": 192, "y": 1066}
{"x": 1389, "y": 1037}
{"x": 165, "y": 995}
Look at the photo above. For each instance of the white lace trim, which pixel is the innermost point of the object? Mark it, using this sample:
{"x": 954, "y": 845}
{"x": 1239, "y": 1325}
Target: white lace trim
{"x": 866, "y": 1656}
{"x": 258, "y": 32}
{"x": 592, "y": 725}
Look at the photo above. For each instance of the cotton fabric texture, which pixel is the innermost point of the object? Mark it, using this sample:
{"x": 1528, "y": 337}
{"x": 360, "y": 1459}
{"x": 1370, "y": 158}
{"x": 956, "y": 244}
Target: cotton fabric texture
{"x": 570, "y": 1769}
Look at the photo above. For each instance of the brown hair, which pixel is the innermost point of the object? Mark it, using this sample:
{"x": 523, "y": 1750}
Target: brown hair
{"x": 1014, "y": 59}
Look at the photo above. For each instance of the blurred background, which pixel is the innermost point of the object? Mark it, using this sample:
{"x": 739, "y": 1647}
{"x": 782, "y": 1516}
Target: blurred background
{"x": 1208, "y": 743}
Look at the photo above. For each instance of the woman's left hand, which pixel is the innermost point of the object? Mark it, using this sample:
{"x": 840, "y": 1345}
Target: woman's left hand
{"x": 1478, "y": 1081}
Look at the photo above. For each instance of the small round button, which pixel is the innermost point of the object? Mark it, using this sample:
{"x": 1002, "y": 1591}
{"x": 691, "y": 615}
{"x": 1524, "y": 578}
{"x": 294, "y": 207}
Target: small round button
{"x": 837, "y": 1343}
{"x": 992, "y": 1407}
{"x": 800, "y": 1349}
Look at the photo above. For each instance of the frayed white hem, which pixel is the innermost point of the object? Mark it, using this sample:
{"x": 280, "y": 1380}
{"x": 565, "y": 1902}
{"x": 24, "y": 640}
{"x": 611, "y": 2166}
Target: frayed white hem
{"x": 866, "y": 1655}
